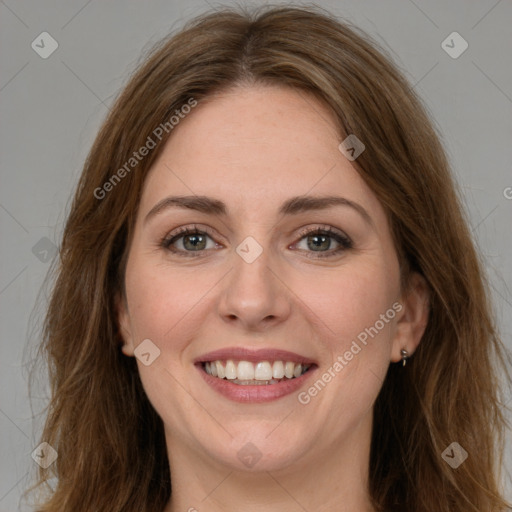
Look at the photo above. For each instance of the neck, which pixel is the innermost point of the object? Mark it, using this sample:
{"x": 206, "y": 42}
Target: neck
{"x": 334, "y": 477}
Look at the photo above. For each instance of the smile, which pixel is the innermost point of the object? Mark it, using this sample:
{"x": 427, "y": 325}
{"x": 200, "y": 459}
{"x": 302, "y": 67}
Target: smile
{"x": 249, "y": 375}
{"x": 246, "y": 373}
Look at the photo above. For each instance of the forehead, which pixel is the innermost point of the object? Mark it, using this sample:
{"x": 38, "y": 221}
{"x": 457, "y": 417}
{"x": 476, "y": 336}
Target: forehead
{"x": 255, "y": 147}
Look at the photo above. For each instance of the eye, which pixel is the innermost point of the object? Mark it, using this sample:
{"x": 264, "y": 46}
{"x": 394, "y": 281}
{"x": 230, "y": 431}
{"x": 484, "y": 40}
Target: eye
{"x": 188, "y": 240}
{"x": 191, "y": 241}
{"x": 321, "y": 240}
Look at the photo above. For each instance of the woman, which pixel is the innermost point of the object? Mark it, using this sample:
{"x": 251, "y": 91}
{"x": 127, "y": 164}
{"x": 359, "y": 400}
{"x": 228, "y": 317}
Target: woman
{"x": 268, "y": 296}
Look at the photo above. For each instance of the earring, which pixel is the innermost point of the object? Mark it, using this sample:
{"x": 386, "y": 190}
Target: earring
{"x": 405, "y": 356}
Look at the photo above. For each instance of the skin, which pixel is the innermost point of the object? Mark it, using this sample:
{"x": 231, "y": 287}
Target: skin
{"x": 253, "y": 148}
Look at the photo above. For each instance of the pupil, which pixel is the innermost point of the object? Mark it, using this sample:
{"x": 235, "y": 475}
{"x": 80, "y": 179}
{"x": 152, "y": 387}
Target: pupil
{"x": 194, "y": 240}
{"x": 319, "y": 240}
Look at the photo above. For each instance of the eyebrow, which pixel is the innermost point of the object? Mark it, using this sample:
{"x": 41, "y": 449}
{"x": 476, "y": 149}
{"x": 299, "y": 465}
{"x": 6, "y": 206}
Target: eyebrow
{"x": 292, "y": 206}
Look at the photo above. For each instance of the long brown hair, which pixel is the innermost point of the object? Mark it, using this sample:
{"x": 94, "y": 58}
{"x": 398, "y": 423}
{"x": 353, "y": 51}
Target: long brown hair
{"x": 110, "y": 441}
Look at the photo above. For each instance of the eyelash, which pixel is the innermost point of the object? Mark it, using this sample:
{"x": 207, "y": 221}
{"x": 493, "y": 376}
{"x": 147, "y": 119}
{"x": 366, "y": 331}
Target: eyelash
{"x": 344, "y": 241}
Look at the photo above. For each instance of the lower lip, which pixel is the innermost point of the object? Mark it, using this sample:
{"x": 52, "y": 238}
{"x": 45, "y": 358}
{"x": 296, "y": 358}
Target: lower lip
{"x": 255, "y": 394}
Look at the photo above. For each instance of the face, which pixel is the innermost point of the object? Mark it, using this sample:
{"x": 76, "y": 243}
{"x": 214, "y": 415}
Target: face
{"x": 287, "y": 264}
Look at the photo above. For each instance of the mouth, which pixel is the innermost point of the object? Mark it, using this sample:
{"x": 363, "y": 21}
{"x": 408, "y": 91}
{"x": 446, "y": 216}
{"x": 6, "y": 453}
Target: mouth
{"x": 262, "y": 373}
{"x": 245, "y": 375}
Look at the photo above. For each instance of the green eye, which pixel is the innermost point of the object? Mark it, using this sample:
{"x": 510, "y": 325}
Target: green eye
{"x": 189, "y": 240}
{"x": 320, "y": 241}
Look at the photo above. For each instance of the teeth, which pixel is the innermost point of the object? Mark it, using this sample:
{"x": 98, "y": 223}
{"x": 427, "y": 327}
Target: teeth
{"x": 247, "y": 373}
{"x": 288, "y": 370}
{"x": 230, "y": 370}
{"x": 278, "y": 370}
{"x": 255, "y": 382}
{"x": 220, "y": 370}
{"x": 263, "y": 371}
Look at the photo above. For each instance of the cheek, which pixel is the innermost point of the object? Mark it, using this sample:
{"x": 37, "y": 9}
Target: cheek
{"x": 356, "y": 327}
{"x": 165, "y": 308}
{"x": 357, "y": 309}
{"x": 161, "y": 301}
{"x": 351, "y": 299}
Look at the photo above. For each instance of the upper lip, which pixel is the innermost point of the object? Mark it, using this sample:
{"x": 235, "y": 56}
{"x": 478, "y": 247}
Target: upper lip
{"x": 253, "y": 356}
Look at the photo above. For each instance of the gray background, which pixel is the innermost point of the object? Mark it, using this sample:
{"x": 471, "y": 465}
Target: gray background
{"x": 51, "y": 109}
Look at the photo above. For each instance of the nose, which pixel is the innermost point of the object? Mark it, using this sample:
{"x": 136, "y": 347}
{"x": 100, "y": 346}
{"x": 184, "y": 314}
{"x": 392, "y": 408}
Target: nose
{"x": 253, "y": 295}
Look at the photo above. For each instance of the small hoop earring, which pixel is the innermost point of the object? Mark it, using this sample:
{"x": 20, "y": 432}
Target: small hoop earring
{"x": 405, "y": 356}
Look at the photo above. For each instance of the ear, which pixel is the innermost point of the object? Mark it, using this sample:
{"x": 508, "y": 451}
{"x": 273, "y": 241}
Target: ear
{"x": 413, "y": 318}
{"x": 123, "y": 321}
